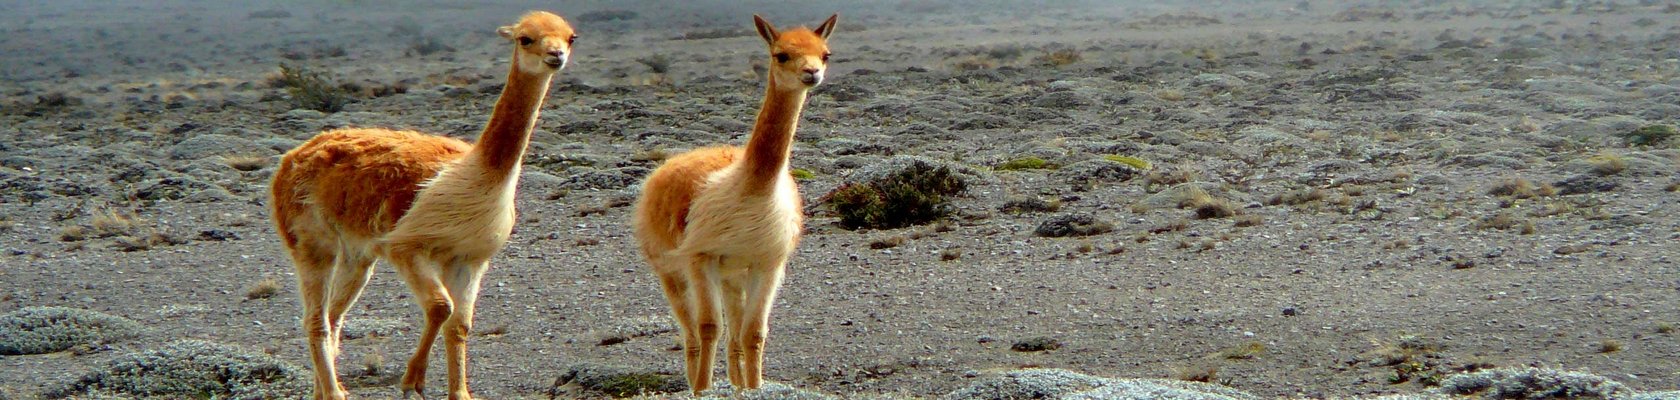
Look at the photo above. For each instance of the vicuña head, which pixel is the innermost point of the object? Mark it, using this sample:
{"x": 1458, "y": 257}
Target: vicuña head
{"x": 798, "y": 56}
{"x": 544, "y": 42}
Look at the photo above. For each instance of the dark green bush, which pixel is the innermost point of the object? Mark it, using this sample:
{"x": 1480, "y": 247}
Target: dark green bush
{"x": 1651, "y": 135}
{"x": 916, "y": 194}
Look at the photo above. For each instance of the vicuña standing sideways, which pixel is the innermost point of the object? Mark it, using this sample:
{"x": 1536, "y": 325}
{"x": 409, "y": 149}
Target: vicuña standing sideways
{"x": 436, "y": 208}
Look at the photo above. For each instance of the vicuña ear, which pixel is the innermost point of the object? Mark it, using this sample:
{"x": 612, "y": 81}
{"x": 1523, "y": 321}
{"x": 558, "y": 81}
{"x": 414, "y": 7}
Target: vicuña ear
{"x": 765, "y": 30}
{"x": 506, "y": 32}
{"x": 827, "y": 27}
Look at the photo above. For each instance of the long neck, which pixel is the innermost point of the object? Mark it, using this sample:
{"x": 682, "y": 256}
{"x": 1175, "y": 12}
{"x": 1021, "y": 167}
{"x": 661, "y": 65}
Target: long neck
{"x": 772, "y": 136}
{"x": 501, "y": 146}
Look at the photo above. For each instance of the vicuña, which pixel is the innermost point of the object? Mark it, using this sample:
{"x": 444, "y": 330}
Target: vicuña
{"x": 435, "y": 208}
{"x": 718, "y": 224}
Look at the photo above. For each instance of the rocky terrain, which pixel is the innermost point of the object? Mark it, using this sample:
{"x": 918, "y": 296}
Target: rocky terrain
{"x": 1230, "y": 199}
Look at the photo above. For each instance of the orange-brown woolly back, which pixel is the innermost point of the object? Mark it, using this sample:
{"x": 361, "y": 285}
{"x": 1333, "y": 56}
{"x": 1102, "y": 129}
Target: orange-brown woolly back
{"x": 362, "y": 180}
{"x": 663, "y": 211}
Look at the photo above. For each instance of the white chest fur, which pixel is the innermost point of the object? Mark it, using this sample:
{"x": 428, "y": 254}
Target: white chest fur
{"x": 722, "y": 221}
{"x": 465, "y": 209}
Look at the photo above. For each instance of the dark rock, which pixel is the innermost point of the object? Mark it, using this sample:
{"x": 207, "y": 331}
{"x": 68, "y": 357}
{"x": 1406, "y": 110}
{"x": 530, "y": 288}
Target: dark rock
{"x": 1585, "y": 183}
{"x": 1041, "y": 343}
{"x": 1075, "y": 224}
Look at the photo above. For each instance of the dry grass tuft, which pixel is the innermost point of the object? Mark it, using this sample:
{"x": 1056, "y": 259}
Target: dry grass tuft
{"x": 1607, "y": 164}
{"x": 114, "y": 223}
{"x": 1520, "y": 188}
{"x": 1609, "y": 346}
{"x": 1507, "y": 221}
{"x": 266, "y": 288}
{"x": 1169, "y": 94}
{"x": 1059, "y": 57}
{"x": 887, "y": 242}
{"x": 1243, "y": 351}
{"x": 1164, "y": 179}
{"x": 1248, "y": 220}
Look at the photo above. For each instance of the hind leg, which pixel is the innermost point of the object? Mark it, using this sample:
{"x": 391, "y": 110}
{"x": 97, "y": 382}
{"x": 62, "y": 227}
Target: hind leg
{"x": 314, "y": 265}
{"x": 354, "y": 267}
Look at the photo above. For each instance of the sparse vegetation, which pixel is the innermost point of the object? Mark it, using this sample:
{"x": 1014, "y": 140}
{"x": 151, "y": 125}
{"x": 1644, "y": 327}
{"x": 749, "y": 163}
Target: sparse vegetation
{"x": 41, "y": 330}
{"x": 802, "y": 174}
{"x": 1024, "y": 163}
{"x": 310, "y": 89}
{"x": 1155, "y": 180}
{"x": 1507, "y": 221}
{"x": 1208, "y": 207}
{"x": 1297, "y": 197}
{"x": 1520, "y": 188}
{"x": 618, "y": 381}
{"x": 1665, "y": 327}
{"x": 1059, "y": 57}
{"x": 1243, "y": 351}
{"x": 1135, "y": 162}
{"x": 1651, "y": 135}
{"x": 1247, "y": 220}
{"x": 887, "y": 242}
{"x": 1609, "y": 346}
{"x": 266, "y": 288}
{"x": 916, "y": 194}
{"x": 1607, "y": 164}
{"x": 1169, "y": 94}
{"x": 193, "y": 369}
{"x": 1532, "y": 383}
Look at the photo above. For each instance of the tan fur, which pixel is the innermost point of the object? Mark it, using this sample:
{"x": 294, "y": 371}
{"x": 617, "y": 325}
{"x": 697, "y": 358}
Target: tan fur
{"x": 718, "y": 224}
{"x": 436, "y": 208}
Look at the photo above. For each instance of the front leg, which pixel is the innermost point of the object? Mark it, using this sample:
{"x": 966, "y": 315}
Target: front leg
{"x": 462, "y": 280}
{"x": 760, "y": 297}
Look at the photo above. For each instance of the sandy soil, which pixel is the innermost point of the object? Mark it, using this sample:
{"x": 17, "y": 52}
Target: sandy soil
{"x": 1404, "y": 116}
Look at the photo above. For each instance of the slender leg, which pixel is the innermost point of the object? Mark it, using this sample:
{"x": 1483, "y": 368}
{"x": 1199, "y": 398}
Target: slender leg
{"x": 314, "y": 268}
{"x": 430, "y": 294}
{"x": 703, "y": 292}
{"x": 350, "y": 276}
{"x": 734, "y": 301}
{"x": 676, "y": 293}
{"x": 462, "y": 281}
{"x": 354, "y": 270}
{"x": 760, "y": 297}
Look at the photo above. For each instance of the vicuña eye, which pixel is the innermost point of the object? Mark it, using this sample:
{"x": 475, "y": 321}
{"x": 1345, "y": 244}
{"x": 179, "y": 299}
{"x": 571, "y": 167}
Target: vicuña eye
{"x": 525, "y": 41}
{"x": 781, "y": 57}
{"x": 571, "y": 39}
{"x": 825, "y": 57}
